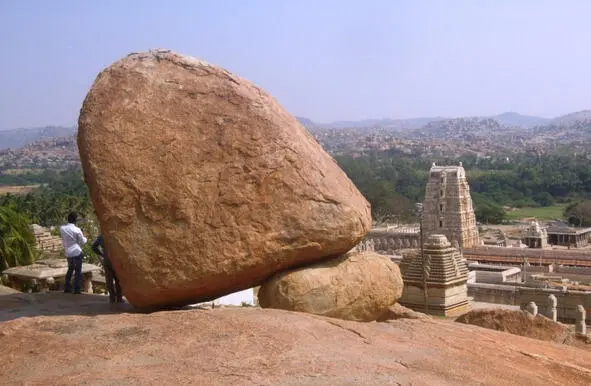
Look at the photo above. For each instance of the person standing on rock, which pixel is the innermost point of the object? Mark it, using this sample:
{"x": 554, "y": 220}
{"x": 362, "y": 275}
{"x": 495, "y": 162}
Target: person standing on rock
{"x": 111, "y": 280}
{"x": 73, "y": 239}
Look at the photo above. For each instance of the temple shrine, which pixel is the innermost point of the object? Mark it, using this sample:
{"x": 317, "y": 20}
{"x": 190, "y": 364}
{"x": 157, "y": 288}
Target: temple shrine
{"x": 446, "y": 276}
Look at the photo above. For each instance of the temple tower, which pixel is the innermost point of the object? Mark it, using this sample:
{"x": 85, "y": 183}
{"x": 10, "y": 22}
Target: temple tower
{"x": 445, "y": 274}
{"x": 448, "y": 206}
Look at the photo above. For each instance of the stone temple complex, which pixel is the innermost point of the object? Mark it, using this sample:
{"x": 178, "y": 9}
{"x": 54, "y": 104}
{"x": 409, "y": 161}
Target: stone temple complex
{"x": 446, "y": 277}
{"x": 448, "y": 206}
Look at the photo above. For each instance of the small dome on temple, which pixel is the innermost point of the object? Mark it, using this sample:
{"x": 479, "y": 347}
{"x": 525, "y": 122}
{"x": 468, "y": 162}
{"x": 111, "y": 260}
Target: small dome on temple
{"x": 437, "y": 241}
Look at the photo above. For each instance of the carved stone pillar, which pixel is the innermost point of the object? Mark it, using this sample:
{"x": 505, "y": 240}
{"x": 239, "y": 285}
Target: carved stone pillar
{"x": 581, "y": 326}
{"x": 532, "y": 308}
{"x": 551, "y": 310}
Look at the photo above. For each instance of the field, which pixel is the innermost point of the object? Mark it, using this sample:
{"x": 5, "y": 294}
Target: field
{"x": 22, "y": 189}
{"x": 16, "y": 172}
{"x": 543, "y": 213}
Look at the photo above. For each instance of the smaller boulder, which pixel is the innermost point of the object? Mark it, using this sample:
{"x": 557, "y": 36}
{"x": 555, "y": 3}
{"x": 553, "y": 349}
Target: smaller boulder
{"x": 357, "y": 286}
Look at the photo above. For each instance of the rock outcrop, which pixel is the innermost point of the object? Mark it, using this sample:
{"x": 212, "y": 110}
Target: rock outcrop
{"x": 398, "y": 311}
{"x": 268, "y": 347}
{"x": 519, "y": 323}
{"x": 357, "y": 286}
{"x": 4, "y": 290}
{"x": 203, "y": 184}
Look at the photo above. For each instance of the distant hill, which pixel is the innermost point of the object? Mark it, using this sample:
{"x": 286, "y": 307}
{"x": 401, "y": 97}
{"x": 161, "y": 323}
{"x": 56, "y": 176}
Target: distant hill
{"x": 509, "y": 119}
{"x": 307, "y": 123}
{"x": 577, "y": 125}
{"x": 15, "y": 138}
{"x": 569, "y": 119}
{"x": 519, "y": 120}
{"x": 567, "y": 128}
{"x": 387, "y": 123}
{"x": 465, "y": 128}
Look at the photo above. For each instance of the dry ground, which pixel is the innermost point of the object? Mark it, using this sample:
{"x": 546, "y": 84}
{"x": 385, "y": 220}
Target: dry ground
{"x": 19, "y": 189}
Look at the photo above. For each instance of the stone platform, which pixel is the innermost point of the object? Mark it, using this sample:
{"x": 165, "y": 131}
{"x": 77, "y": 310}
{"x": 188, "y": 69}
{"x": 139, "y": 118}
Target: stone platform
{"x": 44, "y": 275}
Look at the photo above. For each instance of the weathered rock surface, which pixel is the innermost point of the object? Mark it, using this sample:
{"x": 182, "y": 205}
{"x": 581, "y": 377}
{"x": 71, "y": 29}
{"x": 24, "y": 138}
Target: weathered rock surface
{"x": 203, "y": 184}
{"x": 4, "y": 290}
{"x": 397, "y": 311}
{"x": 357, "y": 286}
{"x": 269, "y": 347}
{"x": 519, "y": 323}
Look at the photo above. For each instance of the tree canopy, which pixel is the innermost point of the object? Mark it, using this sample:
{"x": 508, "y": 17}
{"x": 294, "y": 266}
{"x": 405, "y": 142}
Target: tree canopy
{"x": 17, "y": 242}
{"x": 517, "y": 181}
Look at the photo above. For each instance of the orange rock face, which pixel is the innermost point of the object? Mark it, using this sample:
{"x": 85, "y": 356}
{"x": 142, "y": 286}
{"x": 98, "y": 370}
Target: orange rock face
{"x": 203, "y": 184}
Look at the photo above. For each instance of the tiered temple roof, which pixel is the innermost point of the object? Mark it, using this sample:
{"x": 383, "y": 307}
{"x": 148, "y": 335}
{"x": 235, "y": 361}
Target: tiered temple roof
{"x": 443, "y": 263}
{"x": 446, "y": 291}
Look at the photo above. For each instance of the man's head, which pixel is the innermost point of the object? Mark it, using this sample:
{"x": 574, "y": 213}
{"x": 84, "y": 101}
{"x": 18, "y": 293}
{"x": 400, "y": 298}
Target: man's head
{"x": 72, "y": 217}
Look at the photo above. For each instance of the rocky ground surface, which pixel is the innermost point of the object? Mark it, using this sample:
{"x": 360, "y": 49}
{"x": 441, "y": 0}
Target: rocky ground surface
{"x": 81, "y": 339}
{"x": 525, "y": 324}
{"x": 7, "y": 290}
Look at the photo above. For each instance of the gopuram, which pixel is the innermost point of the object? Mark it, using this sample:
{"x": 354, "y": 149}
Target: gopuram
{"x": 448, "y": 206}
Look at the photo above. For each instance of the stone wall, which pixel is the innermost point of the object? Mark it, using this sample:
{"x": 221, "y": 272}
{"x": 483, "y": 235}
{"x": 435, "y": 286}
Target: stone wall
{"x": 46, "y": 243}
{"x": 520, "y": 296}
{"x": 501, "y": 276}
{"x": 567, "y": 301}
{"x": 572, "y": 270}
{"x": 534, "y": 256}
{"x": 493, "y": 293}
{"x": 387, "y": 242}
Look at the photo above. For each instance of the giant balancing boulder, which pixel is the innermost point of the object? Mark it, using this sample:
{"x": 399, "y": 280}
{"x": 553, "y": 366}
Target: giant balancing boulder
{"x": 203, "y": 184}
{"x": 360, "y": 286}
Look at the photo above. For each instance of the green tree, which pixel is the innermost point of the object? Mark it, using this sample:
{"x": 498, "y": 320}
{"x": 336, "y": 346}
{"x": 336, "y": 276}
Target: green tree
{"x": 579, "y": 213}
{"x": 544, "y": 199}
{"x": 487, "y": 211}
{"x": 17, "y": 242}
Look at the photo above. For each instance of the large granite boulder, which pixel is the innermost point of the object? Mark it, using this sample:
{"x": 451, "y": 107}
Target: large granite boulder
{"x": 203, "y": 184}
{"x": 358, "y": 286}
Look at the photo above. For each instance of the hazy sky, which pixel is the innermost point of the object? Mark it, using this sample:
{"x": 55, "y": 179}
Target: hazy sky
{"x": 325, "y": 60}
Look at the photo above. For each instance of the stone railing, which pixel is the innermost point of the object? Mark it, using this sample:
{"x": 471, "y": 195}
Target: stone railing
{"x": 388, "y": 241}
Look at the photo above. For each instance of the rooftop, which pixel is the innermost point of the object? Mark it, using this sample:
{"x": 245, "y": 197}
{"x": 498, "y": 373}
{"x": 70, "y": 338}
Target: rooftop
{"x": 568, "y": 230}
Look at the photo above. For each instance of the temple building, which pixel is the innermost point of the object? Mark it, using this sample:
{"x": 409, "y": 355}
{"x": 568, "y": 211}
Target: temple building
{"x": 446, "y": 276}
{"x": 536, "y": 236}
{"x": 448, "y": 206}
{"x": 569, "y": 237}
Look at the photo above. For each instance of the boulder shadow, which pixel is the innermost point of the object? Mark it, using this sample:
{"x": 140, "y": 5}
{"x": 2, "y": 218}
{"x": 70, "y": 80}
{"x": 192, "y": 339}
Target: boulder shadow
{"x": 57, "y": 303}
{"x": 18, "y": 305}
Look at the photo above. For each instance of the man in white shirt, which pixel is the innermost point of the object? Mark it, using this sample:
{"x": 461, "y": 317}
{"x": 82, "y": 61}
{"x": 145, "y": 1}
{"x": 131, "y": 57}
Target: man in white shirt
{"x": 73, "y": 240}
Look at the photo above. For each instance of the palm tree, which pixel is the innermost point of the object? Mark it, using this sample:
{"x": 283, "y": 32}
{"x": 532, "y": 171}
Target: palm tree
{"x": 17, "y": 242}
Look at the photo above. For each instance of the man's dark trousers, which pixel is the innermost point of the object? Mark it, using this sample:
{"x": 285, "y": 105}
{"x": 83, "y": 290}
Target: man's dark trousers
{"x": 112, "y": 283}
{"x": 75, "y": 266}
